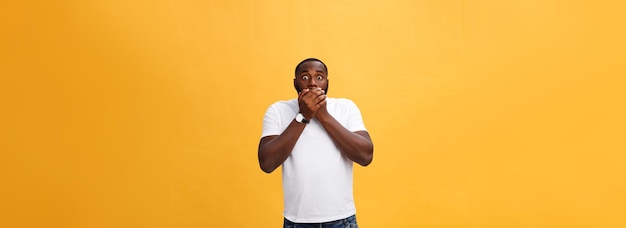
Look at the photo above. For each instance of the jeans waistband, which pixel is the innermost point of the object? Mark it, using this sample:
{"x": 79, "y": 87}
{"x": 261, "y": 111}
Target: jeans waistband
{"x": 350, "y": 219}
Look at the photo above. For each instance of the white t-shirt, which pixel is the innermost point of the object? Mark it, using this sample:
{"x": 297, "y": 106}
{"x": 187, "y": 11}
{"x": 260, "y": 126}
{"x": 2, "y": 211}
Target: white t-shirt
{"x": 317, "y": 178}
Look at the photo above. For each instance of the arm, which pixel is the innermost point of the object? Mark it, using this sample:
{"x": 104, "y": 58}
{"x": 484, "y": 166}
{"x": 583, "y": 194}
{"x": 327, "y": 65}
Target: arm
{"x": 357, "y": 146}
{"x": 275, "y": 149}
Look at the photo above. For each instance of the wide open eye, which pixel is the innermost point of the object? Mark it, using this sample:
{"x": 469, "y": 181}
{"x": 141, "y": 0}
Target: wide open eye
{"x": 319, "y": 77}
{"x": 305, "y": 77}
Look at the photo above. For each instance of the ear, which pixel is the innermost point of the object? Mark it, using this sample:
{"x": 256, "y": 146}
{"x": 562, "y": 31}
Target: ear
{"x": 295, "y": 85}
{"x": 327, "y": 86}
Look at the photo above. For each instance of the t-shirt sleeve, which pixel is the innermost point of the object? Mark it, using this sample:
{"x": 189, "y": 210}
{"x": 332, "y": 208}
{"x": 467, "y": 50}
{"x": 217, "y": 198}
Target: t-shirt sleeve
{"x": 271, "y": 125}
{"x": 355, "y": 121}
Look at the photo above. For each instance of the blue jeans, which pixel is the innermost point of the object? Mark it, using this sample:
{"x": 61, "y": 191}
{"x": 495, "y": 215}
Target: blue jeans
{"x": 349, "y": 222}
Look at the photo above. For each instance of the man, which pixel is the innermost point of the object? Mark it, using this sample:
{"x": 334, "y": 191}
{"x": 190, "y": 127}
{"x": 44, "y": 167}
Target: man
{"x": 316, "y": 139}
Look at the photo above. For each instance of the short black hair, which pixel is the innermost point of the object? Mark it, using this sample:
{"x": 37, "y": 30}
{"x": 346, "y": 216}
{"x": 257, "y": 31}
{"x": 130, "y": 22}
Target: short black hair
{"x": 308, "y": 60}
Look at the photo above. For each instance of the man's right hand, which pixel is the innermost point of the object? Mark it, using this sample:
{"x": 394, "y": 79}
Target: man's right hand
{"x": 310, "y": 100}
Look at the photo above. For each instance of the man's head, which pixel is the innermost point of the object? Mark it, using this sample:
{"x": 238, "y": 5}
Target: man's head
{"x": 311, "y": 73}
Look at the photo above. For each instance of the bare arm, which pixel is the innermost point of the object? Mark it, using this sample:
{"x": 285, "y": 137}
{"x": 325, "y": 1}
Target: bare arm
{"x": 357, "y": 146}
{"x": 275, "y": 149}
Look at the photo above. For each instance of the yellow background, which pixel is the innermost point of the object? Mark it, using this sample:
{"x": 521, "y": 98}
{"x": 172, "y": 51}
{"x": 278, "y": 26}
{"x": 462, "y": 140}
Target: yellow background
{"x": 148, "y": 113}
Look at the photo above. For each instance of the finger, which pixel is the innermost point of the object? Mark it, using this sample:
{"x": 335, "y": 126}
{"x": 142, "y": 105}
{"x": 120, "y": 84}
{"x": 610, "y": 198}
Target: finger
{"x": 312, "y": 94}
{"x": 321, "y": 98}
{"x": 321, "y": 103}
{"x": 303, "y": 93}
{"x": 318, "y": 92}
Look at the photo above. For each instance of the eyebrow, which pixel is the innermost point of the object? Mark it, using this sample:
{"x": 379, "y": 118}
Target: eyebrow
{"x": 305, "y": 71}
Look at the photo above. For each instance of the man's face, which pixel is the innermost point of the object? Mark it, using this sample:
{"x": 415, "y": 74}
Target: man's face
{"x": 311, "y": 74}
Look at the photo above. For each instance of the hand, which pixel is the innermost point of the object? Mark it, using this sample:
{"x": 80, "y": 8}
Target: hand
{"x": 310, "y": 100}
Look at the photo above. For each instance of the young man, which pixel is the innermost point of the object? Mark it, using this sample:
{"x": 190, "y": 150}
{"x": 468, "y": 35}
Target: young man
{"x": 316, "y": 139}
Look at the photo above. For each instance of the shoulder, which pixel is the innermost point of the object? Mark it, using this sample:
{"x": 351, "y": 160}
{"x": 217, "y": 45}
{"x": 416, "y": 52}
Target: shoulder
{"x": 284, "y": 105}
{"x": 342, "y": 102}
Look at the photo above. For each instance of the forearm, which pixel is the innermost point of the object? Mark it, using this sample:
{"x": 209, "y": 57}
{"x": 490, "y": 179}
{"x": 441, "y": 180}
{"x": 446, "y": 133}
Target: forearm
{"x": 357, "y": 147}
{"x": 274, "y": 150}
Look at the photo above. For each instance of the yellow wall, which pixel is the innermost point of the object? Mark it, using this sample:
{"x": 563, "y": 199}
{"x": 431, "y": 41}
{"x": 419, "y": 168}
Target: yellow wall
{"x": 148, "y": 113}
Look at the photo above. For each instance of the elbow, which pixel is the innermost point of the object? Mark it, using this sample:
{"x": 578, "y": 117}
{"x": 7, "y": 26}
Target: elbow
{"x": 267, "y": 163}
{"x": 264, "y": 163}
{"x": 367, "y": 159}
{"x": 267, "y": 168}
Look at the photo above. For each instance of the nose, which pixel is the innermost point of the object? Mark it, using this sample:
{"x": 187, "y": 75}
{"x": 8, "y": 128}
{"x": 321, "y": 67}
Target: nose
{"x": 312, "y": 83}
